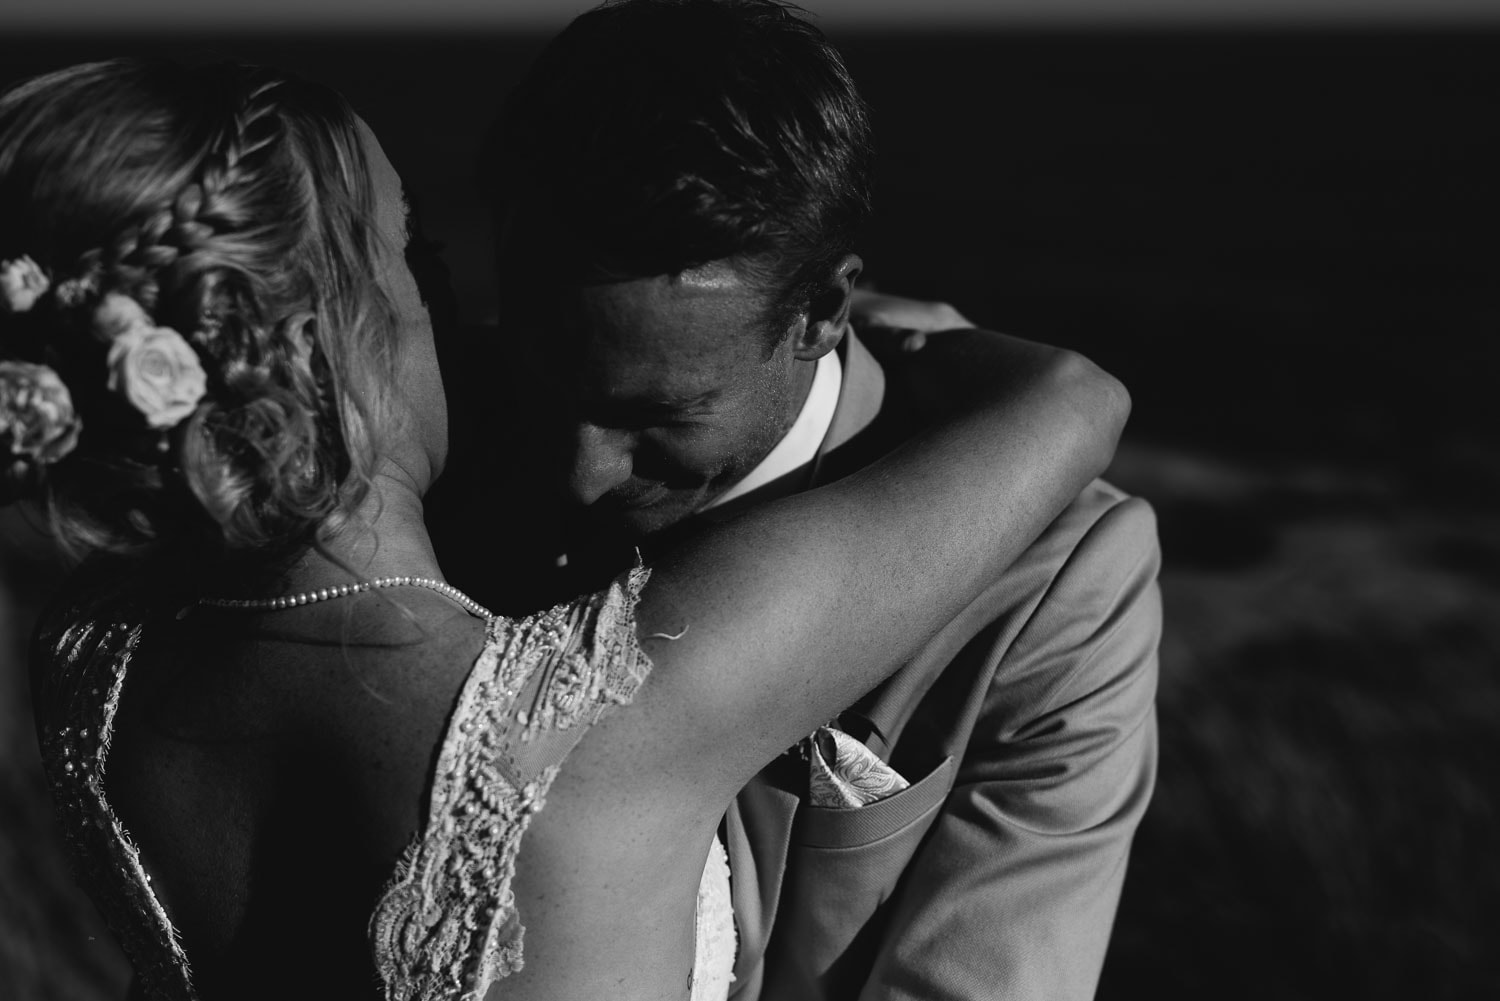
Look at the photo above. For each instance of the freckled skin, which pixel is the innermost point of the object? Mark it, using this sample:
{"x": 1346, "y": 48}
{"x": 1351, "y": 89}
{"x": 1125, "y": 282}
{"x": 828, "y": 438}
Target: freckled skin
{"x": 656, "y": 394}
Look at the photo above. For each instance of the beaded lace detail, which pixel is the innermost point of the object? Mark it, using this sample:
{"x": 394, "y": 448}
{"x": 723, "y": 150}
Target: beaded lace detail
{"x": 78, "y": 693}
{"x": 446, "y": 925}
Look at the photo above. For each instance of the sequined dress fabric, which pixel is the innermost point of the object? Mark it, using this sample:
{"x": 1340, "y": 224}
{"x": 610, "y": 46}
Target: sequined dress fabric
{"x": 446, "y": 926}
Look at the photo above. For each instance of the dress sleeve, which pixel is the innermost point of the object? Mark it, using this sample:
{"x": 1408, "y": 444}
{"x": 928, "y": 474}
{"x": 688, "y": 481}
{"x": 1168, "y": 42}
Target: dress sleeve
{"x": 446, "y": 926}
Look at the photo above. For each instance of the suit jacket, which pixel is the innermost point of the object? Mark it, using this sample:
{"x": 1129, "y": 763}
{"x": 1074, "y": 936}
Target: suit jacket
{"x": 1027, "y": 729}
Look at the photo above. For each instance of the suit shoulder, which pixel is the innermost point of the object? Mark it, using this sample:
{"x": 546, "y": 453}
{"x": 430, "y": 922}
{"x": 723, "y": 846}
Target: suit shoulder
{"x": 1105, "y": 519}
{"x": 1099, "y": 555}
{"x": 1098, "y": 615}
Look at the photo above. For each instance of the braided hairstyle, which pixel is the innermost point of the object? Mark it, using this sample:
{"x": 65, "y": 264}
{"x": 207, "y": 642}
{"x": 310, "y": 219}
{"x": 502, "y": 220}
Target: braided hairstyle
{"x": 232, "y": 204}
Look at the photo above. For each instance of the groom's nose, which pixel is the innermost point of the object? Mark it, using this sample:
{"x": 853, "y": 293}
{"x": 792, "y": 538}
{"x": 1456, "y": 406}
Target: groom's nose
{"x": 601, "y": 460}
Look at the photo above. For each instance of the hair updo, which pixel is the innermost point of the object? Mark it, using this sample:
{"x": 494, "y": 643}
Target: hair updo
{"x": 230, "y": 204}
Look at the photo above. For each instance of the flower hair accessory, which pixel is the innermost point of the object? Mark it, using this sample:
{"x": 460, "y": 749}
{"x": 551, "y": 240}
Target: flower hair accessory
{"x": 117, "y": 316}
{"x": 153, "y": 368}
{"x": 37, "y": 419}
{"x": 22, "y": 283}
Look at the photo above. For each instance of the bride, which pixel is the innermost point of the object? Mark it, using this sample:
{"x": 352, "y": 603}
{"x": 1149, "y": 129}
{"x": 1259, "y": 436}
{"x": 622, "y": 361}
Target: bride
{"x": 289, "y": 759}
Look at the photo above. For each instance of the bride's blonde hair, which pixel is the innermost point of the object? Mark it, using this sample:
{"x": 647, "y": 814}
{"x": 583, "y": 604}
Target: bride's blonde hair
{"x": 233, "y": 205}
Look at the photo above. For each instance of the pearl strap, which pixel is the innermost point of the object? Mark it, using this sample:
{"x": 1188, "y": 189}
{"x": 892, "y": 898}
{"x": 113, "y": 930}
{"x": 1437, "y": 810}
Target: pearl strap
{"x": 343, "y": 591}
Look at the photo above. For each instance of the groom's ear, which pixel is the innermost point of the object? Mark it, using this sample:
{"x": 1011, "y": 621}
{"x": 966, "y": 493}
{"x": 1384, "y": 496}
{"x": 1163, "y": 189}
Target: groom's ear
{"x": 828, "y": 310}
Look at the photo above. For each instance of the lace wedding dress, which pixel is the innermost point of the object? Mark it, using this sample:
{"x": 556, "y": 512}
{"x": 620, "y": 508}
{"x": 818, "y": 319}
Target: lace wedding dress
{"x": 446, "y": 926}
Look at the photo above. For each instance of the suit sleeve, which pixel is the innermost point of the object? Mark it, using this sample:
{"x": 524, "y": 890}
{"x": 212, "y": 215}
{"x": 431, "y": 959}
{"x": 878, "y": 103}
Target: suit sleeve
{"x": 1014, "y": 892}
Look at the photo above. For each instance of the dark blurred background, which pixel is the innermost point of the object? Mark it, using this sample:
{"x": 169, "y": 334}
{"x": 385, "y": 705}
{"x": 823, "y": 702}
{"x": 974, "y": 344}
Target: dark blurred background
{"x": 1281, "y": 232}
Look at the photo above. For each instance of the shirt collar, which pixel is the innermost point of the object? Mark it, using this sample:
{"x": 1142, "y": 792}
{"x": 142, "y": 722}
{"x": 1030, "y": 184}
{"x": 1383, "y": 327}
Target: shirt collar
{"x": 799, "y": 445}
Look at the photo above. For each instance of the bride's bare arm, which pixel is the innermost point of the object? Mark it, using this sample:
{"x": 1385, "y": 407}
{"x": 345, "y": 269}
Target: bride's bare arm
{"x": 790, "y": 612}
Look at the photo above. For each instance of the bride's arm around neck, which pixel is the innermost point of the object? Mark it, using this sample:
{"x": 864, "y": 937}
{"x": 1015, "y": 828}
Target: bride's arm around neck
{"x": 790, "y": 612}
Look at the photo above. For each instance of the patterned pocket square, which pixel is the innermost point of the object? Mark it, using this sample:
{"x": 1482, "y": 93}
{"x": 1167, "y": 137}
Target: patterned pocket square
{"x": 845, "y": 773}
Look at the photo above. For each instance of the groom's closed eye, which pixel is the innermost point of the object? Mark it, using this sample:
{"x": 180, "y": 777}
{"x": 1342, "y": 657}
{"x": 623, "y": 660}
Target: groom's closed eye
{"x": 640, "y": 415}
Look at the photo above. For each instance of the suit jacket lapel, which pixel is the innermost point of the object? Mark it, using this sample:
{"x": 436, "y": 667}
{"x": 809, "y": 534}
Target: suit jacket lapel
{"x": 862, "y": 399}
{"x": 758, "y": 827}
{"x": 758, "y": 834}
{"x": 861, "y": 393}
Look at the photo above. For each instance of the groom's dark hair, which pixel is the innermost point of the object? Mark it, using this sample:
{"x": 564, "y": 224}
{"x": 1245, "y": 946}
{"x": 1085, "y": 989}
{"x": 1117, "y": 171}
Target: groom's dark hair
{"x": 652, "y": 136}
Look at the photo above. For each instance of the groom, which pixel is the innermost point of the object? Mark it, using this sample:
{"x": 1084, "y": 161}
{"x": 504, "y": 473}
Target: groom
{"x": 678, "y": 185}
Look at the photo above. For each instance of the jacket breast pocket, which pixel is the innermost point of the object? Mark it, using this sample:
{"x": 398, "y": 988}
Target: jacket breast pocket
{"x": 842, "y": 867}
{"x": 908, "y": 812}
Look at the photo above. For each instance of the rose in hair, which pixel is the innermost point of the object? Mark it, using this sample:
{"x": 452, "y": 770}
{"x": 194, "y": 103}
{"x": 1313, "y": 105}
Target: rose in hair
{"x": 37, "y": 420}
{"x": 119, "y": 315}
{"x": 22, "y": 283}
{"x": 158, "y": 372}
